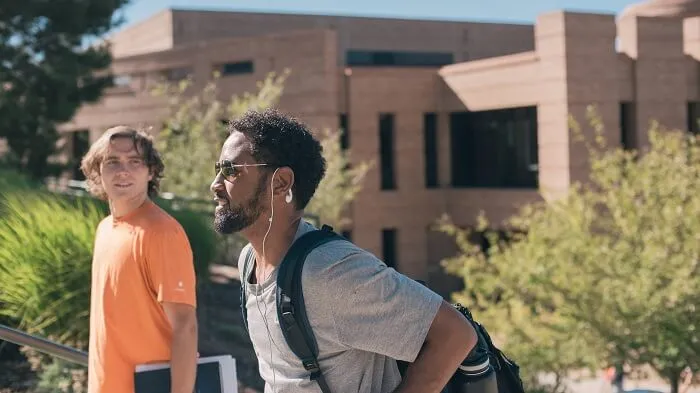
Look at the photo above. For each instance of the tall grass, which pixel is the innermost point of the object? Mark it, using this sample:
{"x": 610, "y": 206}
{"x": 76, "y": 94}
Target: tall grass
{"x": 45, "y": 263}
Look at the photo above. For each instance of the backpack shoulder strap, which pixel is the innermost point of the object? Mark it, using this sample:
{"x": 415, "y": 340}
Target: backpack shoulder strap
{"x": 291, "y": 311}
{"x": 247, "y": 264}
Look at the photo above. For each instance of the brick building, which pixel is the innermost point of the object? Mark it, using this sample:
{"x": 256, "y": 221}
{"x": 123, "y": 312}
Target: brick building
{"x": 458, "y": 117}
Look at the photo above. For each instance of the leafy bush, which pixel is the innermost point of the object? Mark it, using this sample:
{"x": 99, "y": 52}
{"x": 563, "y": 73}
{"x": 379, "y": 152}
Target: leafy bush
{"x": 59, "y": 376}
{"x": 11, "y": 180}
{"x": 340, "y": 185}
{"x": 45, "y": 260}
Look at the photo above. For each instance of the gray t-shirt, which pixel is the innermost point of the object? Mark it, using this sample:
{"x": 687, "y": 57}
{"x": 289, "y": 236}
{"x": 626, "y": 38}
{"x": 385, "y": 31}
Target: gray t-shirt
{"x": 364, "y": 316}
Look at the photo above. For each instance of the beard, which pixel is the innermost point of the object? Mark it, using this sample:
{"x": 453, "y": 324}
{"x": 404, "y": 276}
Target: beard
{"x": 231, "y": 219}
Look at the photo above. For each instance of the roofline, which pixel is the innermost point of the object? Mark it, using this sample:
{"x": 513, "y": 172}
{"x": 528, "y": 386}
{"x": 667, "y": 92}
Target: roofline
{"x": 346, "y": 16}
{"x": 173, "y": 10}
{"x": 128, "y": 26}
{"x": 220, "y": 41}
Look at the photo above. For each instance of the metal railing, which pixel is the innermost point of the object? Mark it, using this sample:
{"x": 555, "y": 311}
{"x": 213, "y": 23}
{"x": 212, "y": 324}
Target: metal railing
{"x": 42, "y": 345}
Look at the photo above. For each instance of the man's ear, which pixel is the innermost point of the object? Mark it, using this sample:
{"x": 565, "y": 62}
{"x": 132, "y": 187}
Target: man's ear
{"x": 283, "y": 181}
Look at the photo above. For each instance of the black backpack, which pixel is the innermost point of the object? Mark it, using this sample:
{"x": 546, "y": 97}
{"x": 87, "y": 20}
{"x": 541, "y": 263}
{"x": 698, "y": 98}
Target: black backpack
{"x": 301, "y": 340}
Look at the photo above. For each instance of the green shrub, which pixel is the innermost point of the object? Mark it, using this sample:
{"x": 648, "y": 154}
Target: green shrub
{"x": 45, "y": 260}
{"x": 59, "y": 376}
{"x": 11, "y": 180}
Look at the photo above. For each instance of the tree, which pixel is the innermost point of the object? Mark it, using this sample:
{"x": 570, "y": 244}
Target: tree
{"x": 608, "y": 273}
{"x": 192, "y": 136}
{"x": 47, "y": 71}
{"x": 340, "y": 185}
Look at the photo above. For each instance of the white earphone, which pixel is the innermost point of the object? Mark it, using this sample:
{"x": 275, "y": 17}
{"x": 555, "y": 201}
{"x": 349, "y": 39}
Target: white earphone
{"x": 289, "y": 196}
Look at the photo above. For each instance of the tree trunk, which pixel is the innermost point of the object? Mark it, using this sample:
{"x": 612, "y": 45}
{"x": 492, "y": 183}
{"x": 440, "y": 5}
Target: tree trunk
{"x": 674, "y": 380}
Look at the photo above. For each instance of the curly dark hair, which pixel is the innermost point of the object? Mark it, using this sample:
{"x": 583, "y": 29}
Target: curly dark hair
{"x": 282, "y": 140}
{"x": 143, "y": 142}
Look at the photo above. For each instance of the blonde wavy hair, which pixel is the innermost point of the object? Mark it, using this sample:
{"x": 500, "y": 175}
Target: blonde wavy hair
{"x": 143, "y": 143}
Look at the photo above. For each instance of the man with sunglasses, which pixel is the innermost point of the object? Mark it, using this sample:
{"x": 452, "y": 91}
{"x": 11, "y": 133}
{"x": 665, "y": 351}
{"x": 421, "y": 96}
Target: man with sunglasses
{"x": 364, "y": 314}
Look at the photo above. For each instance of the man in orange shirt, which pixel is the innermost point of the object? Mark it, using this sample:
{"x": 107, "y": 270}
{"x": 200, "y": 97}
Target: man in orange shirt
{"x": 143, "y": 300}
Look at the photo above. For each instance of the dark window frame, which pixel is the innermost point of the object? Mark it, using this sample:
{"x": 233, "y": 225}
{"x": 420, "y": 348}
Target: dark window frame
{"x": 383, "y": 58}
{"x": 233, "y": 68}
{"x": 389, "y": 240}
{"x": 343, "y": 125}
{"x": 693, "y": 116}
{"x": 387, "y": 156}
{"x": 495, "y": 149}
{"x": 628, "y": 125}
{"x": 430, "y": 149}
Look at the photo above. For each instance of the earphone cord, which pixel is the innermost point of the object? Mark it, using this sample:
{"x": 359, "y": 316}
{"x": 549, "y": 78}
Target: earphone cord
{"x": 264, "y": 315}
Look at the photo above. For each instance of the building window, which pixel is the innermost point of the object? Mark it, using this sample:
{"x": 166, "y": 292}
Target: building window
{"x": 496, "y": 149}
{"x": 386, "y": 151}
{"x": 628, "y": 125}
{"x": 237, "y": 68}
{"x": 176, "y": 74}
{"x": 80, "y": 145}
{"x": 389, "y": 247}
{"x": 430, "y": 149}
{"x": 694, "y": 117}
{"x": 122, "y": 80}
{"x": 358, "y": 58}
{"x": 345, "y": 132}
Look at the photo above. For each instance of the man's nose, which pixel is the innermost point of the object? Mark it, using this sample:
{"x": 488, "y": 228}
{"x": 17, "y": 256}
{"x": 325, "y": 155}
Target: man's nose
{"x": 217, "y": 184}
{"x": 122, "y": 169}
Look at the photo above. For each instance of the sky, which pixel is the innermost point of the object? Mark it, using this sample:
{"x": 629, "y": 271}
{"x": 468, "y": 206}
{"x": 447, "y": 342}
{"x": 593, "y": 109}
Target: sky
{"x": 516, "y": 11}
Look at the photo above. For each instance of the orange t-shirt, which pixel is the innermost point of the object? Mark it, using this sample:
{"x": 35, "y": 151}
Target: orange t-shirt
{"x": 139, "y": 261}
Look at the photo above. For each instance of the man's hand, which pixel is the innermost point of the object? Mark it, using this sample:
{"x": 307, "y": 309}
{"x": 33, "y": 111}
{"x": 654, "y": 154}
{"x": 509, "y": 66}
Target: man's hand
{"x": 183, "y": 362}
{"x": 450, "y": 339}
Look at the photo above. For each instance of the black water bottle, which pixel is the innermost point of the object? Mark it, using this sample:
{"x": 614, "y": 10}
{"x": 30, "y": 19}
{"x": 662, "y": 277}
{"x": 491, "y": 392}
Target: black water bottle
{"x": 475, "y": 374}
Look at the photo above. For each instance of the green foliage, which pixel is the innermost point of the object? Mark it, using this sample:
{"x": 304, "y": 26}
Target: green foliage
{"x": 48, "y": 72}
{"x": 45, "y": 261}
{"x": 607, "y": 273}
{"x": 11, "y": 180}
{"x": 193, "y": 134}
{"x": 339, "y": 186}
{"x": 59, "y": 376}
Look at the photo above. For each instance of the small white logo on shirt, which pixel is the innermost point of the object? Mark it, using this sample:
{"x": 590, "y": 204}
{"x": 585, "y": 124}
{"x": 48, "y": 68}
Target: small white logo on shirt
{"x": 180, "y": 287}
